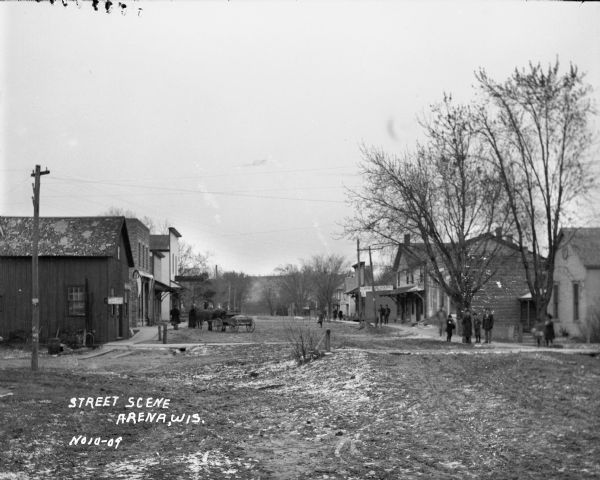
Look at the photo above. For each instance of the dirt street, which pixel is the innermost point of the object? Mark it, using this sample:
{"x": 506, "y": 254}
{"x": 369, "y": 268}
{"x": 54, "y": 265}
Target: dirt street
{"x": 380, "y": 405}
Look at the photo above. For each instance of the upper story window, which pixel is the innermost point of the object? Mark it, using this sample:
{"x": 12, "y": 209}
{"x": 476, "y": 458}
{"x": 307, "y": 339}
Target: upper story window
{"x": 118, "y": 252}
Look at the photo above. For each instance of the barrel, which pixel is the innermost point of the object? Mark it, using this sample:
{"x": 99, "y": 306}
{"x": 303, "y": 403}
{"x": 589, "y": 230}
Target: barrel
{"x": 53, "y": 346}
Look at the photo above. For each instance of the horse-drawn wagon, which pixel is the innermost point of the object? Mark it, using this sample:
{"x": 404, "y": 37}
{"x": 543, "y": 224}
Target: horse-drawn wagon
{"x": 221, "y": 320}
{"x": 233, "y": 321}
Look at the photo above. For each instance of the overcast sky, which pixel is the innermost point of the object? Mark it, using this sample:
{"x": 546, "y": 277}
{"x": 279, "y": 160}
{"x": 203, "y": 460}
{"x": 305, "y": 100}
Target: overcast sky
{"x": 240, "y": 122}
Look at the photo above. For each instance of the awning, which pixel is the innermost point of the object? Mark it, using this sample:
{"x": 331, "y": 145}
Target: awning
{"x": 404, "y": 290}
{"x": 142, "y": 274}
{"x": 354, "y": 291}
{"x": 162, "y": 287}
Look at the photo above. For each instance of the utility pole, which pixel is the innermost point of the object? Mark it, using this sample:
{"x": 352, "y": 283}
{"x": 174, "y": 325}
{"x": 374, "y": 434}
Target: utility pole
{"x": 373, "y": 288}
{"x": 358, "y": 300}
{"x": 35, "y": 299}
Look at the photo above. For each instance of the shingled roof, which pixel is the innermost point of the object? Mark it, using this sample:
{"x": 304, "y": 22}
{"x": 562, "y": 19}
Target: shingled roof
{"x": 585, "y": 242}
{"x": 63, "y": 236}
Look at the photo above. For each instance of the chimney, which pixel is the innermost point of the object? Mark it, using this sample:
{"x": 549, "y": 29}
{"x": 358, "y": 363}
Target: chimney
{"x": 499, "y": 232}
{"x": 407, "y": 239}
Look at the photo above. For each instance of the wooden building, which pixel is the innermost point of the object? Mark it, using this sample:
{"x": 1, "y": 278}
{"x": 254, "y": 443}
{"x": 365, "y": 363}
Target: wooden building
{"x": 83, "y": 276}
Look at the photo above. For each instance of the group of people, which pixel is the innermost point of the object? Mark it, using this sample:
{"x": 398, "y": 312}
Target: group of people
{"x": 471, "y": 324}
{"x": 384, "y": 314}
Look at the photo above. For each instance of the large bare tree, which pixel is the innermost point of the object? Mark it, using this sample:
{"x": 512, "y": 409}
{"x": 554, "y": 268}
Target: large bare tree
{"x": 326, "y": 275}
{"x": 442, "y": 193}
{"x": 536, "y": 126}
{"x": 293, "y": 283}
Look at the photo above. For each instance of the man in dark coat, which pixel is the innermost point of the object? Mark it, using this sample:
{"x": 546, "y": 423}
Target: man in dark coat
{"x": 450, "y": 326}
{"x": 477, "y": 327}
{"x": 467, "y": 325}
{"x": 488, "y": 324}
{"x": 192, "y": 320}
{"x": 175, "y": 317}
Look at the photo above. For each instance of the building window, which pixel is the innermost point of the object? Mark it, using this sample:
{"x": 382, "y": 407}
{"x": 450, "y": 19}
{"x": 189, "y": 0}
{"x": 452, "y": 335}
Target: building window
{"x": 407, "y": 277}
{"x": 555, "y": 300}
{"x": 1, "y": 303}
{"x": 118, "y": 252}
{"x": 76, "y": 301}
{"x": 575, "y": 301}
{"x": 140, "y": 255}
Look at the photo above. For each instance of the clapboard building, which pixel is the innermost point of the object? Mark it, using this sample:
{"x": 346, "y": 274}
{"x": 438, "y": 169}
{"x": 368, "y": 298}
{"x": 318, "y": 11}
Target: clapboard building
{"x": 83, "y": 276}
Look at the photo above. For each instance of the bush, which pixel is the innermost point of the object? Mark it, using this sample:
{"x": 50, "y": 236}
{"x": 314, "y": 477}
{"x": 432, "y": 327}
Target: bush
{"x": 304, "y": 341}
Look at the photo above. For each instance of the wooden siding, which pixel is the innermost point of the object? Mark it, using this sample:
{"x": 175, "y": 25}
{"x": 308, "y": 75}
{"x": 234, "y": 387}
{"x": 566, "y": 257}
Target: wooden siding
{"x": 56, "y": 274}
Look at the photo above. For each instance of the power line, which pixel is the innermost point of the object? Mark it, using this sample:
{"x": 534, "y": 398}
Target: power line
{"x": 195, "y": 191}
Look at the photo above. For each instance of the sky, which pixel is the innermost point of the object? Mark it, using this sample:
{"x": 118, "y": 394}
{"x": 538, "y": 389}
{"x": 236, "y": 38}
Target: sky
{"x": 240, "y": 123}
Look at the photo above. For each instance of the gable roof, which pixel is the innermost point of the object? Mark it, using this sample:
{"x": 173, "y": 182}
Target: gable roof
{"x": 64, "y": 236}
{"x": 415, "y": 254}
{"x": 585, "y": 242}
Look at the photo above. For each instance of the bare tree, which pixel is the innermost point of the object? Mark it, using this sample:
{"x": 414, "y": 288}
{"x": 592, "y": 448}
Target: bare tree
{"x": 233, "y": 289}
{"x": 294, "y": 286}
{"x": 536, "y": 125}
{"x": 269, "y": 294}
{"x": 192, "y": 262}
{"x": 443, "y": 194}
{"x": 326, "y": 274}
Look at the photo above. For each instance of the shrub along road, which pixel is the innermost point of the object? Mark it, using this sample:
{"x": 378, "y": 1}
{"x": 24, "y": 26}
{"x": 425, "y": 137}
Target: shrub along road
{"x": 371, "y": 409}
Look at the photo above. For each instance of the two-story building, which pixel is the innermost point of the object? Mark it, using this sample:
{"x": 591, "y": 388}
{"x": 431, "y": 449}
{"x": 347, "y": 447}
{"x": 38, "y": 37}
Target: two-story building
{"x": 576, "y": 293}
{"x": 165, "y": 262}
{"x": 83, "y": 276}
{"x": 418, "y": 296}
{"x": 142, "y": 278}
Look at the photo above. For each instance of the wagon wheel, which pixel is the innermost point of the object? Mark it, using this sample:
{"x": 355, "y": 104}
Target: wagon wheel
{"x": 250, "y": 326}
{"x": 217, "y": 324}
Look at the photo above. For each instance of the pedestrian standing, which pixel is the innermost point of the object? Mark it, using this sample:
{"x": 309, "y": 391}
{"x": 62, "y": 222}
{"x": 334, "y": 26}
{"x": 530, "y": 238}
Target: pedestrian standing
{"x": 320, "y": 320}
{"x": 175, "y": 321}
{"x": 477, "y": 327}
{"x": 488, "y": 325}
{"x": 467, "y": 324}
{"x": 450, "y": 326}
{"x": 192, "y": 320}
{"x": 549, "y": 331}
{"x": 387, "y": 313}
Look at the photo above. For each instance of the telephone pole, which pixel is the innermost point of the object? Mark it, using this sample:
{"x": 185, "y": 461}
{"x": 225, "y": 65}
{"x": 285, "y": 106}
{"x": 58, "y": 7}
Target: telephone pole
{"x": 35, "y": 300}
{"x": 358, "y": 280}
{"x": 377, "y": 319}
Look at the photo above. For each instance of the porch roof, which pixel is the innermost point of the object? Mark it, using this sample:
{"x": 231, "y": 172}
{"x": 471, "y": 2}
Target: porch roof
{"x": 404, "y": 290}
